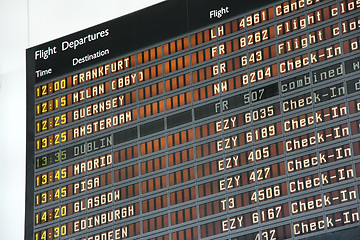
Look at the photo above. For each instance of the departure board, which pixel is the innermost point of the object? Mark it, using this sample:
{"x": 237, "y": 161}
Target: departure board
{"x": 198, "y": 119}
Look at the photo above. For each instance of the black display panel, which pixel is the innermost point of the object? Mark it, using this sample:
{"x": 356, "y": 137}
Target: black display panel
{"x": 198, "y": 120}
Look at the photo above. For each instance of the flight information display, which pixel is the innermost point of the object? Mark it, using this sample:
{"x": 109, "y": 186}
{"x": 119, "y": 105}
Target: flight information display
{"x": 198, "y": 119}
